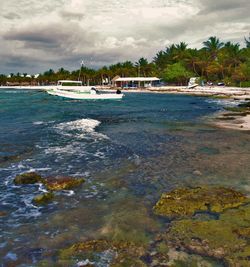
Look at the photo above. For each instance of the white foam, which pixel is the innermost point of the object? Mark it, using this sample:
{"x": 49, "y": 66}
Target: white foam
{"x": 223, "y": 102}
{"x": 68, "y": 193}
{"x": 38, "y": 123}
{"x": 79, "y": 128}
{"x": 85, "y": 262}
{"x": 86, "y": 125}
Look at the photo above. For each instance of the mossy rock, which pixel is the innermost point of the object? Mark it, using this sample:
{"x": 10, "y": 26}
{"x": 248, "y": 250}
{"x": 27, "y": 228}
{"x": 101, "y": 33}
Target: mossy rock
{"x": 238, "y": 109}
{"x": 209, "y": 238}
{"x": 226, "y": 239}
{"x": 62, "y": 183}
{"x": 186, "y": 202}
{"x": 244, "y": 105}
{"x": 28, "y": 178}
{"x": 43, "y": 198}
{"x": 127, "y": 261}
{"x": 220, "y": 96}
{"x": 3, "y": 214}
{"x": 124, "y": 251}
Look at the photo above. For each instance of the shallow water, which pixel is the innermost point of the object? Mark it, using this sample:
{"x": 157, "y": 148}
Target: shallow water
{"x": 129, "y": 151}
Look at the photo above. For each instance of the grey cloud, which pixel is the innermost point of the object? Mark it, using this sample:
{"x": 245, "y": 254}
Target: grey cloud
{"x": 11, "y": 16}
{"x": 50, "y": 36}
{"x": 32, "y": 37}
{"x": 62, "y": 32}
{"x": 71, "y": 15}
{"x": 224, "y": 6}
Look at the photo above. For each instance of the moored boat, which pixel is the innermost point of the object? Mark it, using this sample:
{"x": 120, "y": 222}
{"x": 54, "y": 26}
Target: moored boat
{"x": 75, "y": 90}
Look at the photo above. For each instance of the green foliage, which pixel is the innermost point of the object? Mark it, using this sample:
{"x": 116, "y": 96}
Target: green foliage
{"x": 177, "y": 73}
{"x": 247, "y": 41}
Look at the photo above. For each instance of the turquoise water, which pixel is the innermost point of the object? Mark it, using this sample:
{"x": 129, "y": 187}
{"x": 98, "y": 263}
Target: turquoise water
{"x": 128, "y": 151}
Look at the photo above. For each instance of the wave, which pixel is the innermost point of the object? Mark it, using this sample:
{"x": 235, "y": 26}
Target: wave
{"x": 80, "y": 128}
{"x": 223, "y": 102}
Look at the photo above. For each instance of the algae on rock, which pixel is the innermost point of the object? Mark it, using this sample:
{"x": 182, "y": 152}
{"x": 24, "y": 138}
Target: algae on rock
{"x": 28, "y": 178}
{"x": 226, "y": 239}
{"x": 62, "y": 183}
{"x": 123, "y": 251}
{"x": 186, "y": 202}
{"x": 43, "y": 198}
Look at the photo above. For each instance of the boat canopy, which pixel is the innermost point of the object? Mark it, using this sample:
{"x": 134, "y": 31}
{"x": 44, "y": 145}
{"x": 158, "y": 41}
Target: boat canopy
{"x": 69, "y": 83}
{"x": 136, "y": 79}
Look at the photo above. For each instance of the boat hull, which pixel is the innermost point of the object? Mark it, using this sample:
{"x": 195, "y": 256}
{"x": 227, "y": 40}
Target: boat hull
{"x": 85, "y": 96}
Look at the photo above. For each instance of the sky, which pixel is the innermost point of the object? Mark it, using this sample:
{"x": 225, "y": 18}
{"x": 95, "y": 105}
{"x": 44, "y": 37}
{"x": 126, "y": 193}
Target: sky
{"x": 37, "y": 35}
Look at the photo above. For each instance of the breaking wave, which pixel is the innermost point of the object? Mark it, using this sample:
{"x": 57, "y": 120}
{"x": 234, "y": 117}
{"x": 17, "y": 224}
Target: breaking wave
{"x": 80, "y": 128}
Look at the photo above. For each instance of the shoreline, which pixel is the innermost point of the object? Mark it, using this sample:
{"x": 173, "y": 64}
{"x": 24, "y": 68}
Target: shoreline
{"x": 222, "y": 120}
{"x": 236, "y": 122}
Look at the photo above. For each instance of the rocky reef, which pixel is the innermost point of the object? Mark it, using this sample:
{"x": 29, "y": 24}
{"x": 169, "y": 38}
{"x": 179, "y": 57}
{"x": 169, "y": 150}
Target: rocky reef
{"x": 62, "y": 183}
{"x": 225, "y": 237}
{"x": 185, "y": 202}
{"x": 121, "y": 253}
{"x": 28, "y": 178}
{"x": 51, "y": 184}
{"x": 3, "y": 214}
{"x": 43, "y": 198}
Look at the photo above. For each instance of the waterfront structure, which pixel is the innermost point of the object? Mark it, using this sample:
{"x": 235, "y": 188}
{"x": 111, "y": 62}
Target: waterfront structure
{"x": 134, "y": 82}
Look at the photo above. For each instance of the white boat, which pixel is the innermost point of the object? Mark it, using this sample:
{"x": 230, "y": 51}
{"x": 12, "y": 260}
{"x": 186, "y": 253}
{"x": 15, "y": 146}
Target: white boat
{"x": 193, "y": 82}
{"x": 75, "y": 90}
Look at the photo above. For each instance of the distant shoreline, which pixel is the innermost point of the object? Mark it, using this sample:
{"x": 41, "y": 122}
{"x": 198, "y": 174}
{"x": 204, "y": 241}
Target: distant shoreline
{"x": 234, "y": 93}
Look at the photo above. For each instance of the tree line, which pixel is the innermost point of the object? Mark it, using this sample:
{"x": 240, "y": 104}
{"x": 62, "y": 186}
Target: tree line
{"x": 214, "y": 62}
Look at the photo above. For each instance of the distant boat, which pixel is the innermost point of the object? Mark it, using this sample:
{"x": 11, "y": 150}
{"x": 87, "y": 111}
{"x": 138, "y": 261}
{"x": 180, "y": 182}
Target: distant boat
{"x": 193, "y": 82}
{"x": 75, "y": 90}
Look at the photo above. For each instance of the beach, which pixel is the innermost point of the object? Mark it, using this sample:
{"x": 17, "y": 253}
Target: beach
{"x": 235, "y": 94}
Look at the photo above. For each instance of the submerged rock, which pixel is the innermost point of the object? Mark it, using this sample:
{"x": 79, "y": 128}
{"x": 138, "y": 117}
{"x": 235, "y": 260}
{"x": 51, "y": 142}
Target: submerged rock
{"x": 28, "y": 178}
{"x": 62, "y": 183}
{"x": 3, "y": 214}
{"x": 43, "y": 198}
{"x": 124, "y": 253}
{"x": 209, "y": 238}
{"x": 225, "y": 238}
{"x": 186, "y": 202}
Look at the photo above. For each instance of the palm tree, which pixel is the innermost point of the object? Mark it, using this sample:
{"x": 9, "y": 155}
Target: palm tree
{"x": 193, "y": 61}
{"x": 247, "y": 41}
{"x": 181, "y": 50}
{"x": 142, "y": 66}
{"x": 160, "y": 60}
{"x": 213, "y": 46}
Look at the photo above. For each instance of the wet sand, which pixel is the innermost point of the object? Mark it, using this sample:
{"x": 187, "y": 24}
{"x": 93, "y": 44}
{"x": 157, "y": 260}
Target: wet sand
{"x": 238, "y": 123}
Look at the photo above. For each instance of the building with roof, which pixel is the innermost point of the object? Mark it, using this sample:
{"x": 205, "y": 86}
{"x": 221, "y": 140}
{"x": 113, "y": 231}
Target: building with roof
{"x": 134, "y": 82}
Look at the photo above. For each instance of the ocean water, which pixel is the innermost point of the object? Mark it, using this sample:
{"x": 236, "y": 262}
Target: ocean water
{"x": 129, "y": 152}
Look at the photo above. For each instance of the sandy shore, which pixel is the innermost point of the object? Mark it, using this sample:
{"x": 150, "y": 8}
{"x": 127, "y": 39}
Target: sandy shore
{"x": 238, "y": 123}
{"x": 230, "y": 92}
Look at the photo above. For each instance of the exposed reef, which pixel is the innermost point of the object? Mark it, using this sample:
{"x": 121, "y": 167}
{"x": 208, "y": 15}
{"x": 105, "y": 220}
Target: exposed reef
{"x": 28, "y": 178}
{"x": 185, "y": 202}
{"x": 225, "y": 237}
{"x": 43, "y": 198}
{"x": 121, "y": 253}
{"x": 62, "y": 183}
{"x": 51, "y": 184}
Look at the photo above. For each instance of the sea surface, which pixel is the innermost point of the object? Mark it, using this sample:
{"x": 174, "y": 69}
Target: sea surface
{"x": 129, "y": 152}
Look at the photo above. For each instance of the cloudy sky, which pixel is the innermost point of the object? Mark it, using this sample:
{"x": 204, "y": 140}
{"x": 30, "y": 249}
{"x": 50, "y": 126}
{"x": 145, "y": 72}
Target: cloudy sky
{"x": 37, "y": 35}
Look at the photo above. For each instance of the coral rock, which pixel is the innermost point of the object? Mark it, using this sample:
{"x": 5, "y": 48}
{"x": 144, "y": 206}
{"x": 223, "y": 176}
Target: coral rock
{"x": 186, "y": 202}
{"x": 43, "y": 198}
{"x": 62, "y": 183}
{"x": 28, "y": 178}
